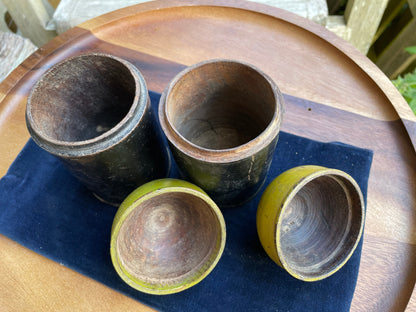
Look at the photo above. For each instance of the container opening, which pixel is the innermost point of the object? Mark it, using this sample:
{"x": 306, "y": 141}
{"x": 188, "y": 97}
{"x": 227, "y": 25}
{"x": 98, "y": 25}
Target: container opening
{"x": 82, "y": 98}
{"x": 221, "y": 105}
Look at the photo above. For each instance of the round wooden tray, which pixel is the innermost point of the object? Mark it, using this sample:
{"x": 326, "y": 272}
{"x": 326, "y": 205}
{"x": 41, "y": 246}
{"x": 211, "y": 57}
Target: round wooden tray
{"x": 355, "y": 104}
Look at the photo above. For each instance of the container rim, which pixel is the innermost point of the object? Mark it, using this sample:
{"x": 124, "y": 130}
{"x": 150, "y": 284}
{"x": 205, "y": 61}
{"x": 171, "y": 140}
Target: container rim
{"x": 224, "y": 155}
{"x": 103, "y": 141}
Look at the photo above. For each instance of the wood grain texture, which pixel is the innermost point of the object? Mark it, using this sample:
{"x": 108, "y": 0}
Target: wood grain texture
{"x": 31, "y": 282}
{"x": 359, "y": 105}
{"x": 160, "y": 222}
{"x": 298, "y": 226}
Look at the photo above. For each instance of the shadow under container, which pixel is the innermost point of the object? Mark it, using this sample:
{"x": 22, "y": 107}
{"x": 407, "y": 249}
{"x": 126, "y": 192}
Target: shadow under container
{"x": 222, "y": 120}
{"x": 94, "y": 113}
{"x": 310, "y": 220}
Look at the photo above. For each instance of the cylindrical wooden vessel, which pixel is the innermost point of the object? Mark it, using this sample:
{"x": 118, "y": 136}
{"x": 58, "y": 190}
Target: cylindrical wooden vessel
{"x": 310, "y": 220}
{"x": 93, "y": 112}
{"x": 167, "y": 236}
{"x": 222, "y": 120}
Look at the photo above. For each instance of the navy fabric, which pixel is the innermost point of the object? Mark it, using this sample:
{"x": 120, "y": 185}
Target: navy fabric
{"x": 47, "y": 210}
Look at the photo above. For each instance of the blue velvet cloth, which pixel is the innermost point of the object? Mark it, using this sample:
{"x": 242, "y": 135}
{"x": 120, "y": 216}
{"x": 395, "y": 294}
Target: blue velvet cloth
{"x": 47, "y": 210}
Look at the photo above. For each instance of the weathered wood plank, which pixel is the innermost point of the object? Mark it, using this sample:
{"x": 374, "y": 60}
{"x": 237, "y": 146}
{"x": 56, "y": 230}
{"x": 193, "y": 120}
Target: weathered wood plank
{"x": 31, "y": 17}
{"x": 363, "y": 18}
{"x": 412, "y": 6}
{"x": 13, "y": 51}
{"x": 392, "y": 10}
{"x": 3, "y": 25}
{"x": 395, "y": 59}
{"x": 336, "y": 24}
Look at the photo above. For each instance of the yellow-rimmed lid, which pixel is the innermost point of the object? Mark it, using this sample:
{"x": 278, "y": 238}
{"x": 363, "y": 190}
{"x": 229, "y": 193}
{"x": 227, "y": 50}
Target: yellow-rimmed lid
{"x": 167, "y": 236}
{"x": 310, "y": 220}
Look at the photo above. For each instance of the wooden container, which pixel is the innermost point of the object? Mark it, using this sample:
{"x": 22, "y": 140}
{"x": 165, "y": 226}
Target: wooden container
{"x": 222, "y": 119}
{"x": 167, "y": 236}
{"x": 93, "y": 112}
{"x": 310, "y": 220}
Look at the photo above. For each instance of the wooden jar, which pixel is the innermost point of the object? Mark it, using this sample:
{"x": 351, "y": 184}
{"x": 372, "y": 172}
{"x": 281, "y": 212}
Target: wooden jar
{"x": 222, "y": 120}
{"x": 93, "y": 112}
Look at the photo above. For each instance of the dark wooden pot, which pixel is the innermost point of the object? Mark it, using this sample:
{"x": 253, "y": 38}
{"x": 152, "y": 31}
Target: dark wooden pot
{"x": 222, "y": 119}
{"x": 93, "y": 112}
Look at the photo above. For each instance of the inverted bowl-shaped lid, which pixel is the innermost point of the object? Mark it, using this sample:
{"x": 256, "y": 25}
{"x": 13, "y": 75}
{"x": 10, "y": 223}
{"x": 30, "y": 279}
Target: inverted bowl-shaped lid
{"x": 166, "y": 237}
{"x": 318, "y": 219}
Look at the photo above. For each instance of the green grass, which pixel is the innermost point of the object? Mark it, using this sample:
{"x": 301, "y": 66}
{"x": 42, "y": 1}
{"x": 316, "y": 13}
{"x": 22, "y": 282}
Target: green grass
{"x": 407, "y": 87}
{"x": 407, "y": 84}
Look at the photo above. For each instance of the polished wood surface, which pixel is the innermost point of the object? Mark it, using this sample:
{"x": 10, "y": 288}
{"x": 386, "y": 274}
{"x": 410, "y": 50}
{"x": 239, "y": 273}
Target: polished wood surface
{"x": 358, "y": 105}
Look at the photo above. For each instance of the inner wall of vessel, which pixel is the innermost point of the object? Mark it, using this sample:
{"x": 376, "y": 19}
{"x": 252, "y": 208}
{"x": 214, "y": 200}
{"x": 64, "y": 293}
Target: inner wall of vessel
{"x": 82, "y": 98}
{"x": 168, "y": 237}
{"x": 221, "y": 105}
{"x": 320, "y": 226}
